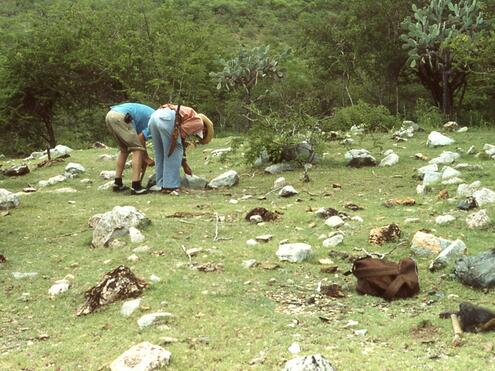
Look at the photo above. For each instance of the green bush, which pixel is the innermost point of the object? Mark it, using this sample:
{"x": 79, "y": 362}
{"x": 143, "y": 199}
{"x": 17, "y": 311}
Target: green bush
{"x": 271, "y": 133}
{"x": 427, "y": 115}
{"x": 371, "y": 118}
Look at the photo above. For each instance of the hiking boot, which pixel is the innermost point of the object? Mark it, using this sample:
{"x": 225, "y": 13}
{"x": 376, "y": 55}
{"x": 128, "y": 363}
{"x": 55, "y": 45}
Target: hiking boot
{"x": 139, "y": 191}
{"x": 119, "y": 188}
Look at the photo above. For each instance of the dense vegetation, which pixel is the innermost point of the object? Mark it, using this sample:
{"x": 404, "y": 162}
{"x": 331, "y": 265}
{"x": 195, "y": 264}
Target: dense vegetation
{"x": 64, "y": 62}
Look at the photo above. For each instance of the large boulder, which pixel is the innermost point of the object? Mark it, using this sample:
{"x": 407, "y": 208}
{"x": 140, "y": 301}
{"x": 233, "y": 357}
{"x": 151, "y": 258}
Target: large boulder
{"x": 478, "y": 270}
{"x": 438, "y": 139}
{"x": 315, "y": 362}
{"x": 227, "y": 179}
{"x": 8, "y": 200}
{"x": 117, "y": 223}
{"x": 360, "y": 158}
{"x": 301, "y": 152}
{"x": 142, "y": 357}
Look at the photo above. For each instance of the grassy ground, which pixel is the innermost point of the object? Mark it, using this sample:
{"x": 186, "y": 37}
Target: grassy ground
{"x": 225, "y": 319}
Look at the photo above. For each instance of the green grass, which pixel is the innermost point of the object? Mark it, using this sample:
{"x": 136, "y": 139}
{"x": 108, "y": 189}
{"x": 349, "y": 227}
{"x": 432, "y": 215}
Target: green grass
{"x": 235, "y": 309}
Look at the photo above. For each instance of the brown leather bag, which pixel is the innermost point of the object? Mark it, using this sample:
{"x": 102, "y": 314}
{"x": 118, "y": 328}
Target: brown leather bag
{"x": 386, "y": 279}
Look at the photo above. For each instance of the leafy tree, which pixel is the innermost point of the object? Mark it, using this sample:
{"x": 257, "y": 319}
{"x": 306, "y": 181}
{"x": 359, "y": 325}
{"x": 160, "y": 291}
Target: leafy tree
{"x": 430, "y": 55}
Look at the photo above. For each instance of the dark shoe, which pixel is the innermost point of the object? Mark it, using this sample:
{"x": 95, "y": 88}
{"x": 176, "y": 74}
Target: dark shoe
{"x": 140, "y": 191}
{"x": 119, "y": 188}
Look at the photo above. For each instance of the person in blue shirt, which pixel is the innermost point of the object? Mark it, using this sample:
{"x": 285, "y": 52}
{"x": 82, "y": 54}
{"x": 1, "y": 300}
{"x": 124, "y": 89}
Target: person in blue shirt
{"x": 128, "y": 123}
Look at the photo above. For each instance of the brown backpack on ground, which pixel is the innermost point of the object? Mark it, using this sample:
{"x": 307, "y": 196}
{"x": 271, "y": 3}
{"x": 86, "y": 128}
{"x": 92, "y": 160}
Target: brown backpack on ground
{"x": 386, "y": 279}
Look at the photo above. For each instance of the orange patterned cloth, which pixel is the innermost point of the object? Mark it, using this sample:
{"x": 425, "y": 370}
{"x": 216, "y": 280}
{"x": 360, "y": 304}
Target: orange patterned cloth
{"x": 191, "y": 123}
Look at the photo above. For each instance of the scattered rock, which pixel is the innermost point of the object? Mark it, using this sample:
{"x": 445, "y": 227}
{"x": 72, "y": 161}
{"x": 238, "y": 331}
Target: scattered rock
{"x": 227, "y": 179}
{"x": 484, "y": 196}
{"x": 451, "y": 126}
{"x": 264, "y": 238}
{"x": 468, "y": 203}
{"x": 359, "y": 158}
{"x": 8, "y": 200}
{"x": 135, "y": 235}
{"x": 265, "y": 214}
{"x": 387, "y": 233}
{"x": 431, "y": 178}
{"x": 129, "y": 307}
{"x": 117, "y": 223}
{"x": 478, "y": 220}
{"x": 427, "y": 244}
{"x": 445, "y": 158}
{"x": 118, "y": 284}
{"x": 142, "y": 357}
{"x": 249, "y": 263}
{"x": 153, "y": 318}
{"x": 59, "y": 287}
{"x": 448, "y": 173}
{"x": 444, "y": 219}
{"x": 106, "y": 186}
{"x": 467, "y": 190}
{"x": 107, "y": 174}
{"x": 422, "y": 189}
{"x": 315, "y": 362}
{"x": 443, "y": 194}
{"x": 294, "y": 348}
{"x": 478, "y": 270}
{"x": 453, "y": 250}
{"x": 468, "y": 167}
{"x": 390, "y": 159}
{"x": 489, "y": 149}
{"x": 333, "y": 241}
{"x": 334, "y": 221}
{"x": 287, "y": 191}
{"x": 326, "y": 212}
{"x": 52, "y": 181}
{"x": 437, "y": 139}
{"x": 65, "y": 190}
{"x": 17, "y": 170}
{"x": 279, "y": 183}
{"x": 106, "y": 157}
{"x": 23, "y": 275}
{"x": 251, "y": 242}
{"x": 193, "y": 182}
{"x": 100, "y": 145}
{"x": 279, "y": 168}
{"x": 256, "y": 219}
{"x": 294, "y": 252}
{"x": 426, "y": 169}
{"x": 301, "y": 152}
{"x": 74, "y": 169}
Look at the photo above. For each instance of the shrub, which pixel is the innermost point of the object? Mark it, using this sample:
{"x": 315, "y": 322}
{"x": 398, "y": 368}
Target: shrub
{"x": 427, "y": 115}
{"x": 371, "y": 118}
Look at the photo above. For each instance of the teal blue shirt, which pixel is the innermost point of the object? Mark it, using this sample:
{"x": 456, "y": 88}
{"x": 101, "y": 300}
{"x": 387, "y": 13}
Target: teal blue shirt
{"x": 140, "y": 114}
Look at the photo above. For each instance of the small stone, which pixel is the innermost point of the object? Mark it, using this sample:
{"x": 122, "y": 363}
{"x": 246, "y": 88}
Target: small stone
{"x": 255, "y": 219}
{"x": 279, "y": 183}
{"x": 264, "y": 237}
{"x": 129, "y": 307}
{"x": 444, "y": 219}
{"x": 425, "y": 244}
{"x": 133, "y": 258}
{"x": 8, "y": 200}
{"x": 484, "y": 196}
{"x": 59, "y": 287}
{"x": 249, "y": 263}
{"x": 225, "y": 180}
{"x": 142, "y": 357}
{"x": 334, "y": 221}
{"x": 106, "y": 186}
{"x": 333, "y": 241}
{"x": 360, "y": 332}
{"x": 279, "y": 168}
{"x": 153, "y": 318}
{"x": 135, "y": 235}
{"x": 154, "y": 278}
{"x": 194, "y": 251}
{"x": 478, "y": 220}
{"x": 294, "y": 348}
{"x": 294, "y": 252}
{"x": 107, "y": 174}
{"x": 390, "y": 160}
{"x": 251, "y": 242}
{"x": 23, "y": 275}
{"x": 141, "y": 249}
{"x": 315, "y": 362}
{"x": 351, "y": 323}
{"x": 437, "y": 139}
{"x": 411, "y": 220}
{"x": 233, "y": 201}
{"x": 357, "y": 218}
{"x": 287, "y": 191}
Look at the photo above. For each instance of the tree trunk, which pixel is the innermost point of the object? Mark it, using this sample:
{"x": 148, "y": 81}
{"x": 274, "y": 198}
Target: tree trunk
{"x": 446, "y": 88}
{"x": 50, "y": 133}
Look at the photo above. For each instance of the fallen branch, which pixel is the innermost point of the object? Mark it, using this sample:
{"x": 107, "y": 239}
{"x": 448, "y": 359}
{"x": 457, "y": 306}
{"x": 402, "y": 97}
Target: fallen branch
{"x": 456, "y": 326}
{"x": 185, "y": 252}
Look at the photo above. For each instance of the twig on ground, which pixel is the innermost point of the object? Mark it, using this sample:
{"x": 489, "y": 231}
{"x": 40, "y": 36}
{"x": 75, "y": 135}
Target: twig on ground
{"x": 377, "y": 254}
{"x": 274, "y": 190}
{"x": 217, "y": 219}
{"x": 185, "y": 252}
{"x": 456, "y": 326}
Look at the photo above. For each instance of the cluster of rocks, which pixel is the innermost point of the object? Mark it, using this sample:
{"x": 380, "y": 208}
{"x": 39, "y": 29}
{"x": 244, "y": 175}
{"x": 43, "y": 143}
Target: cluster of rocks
{"x": 407, "y": 130}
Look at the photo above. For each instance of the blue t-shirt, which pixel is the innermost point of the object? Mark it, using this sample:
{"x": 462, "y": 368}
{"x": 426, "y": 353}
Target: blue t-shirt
{"x": 140, "y": 114}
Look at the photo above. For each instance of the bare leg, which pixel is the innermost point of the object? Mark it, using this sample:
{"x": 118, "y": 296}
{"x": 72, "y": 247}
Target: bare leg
{"x": 137, "y": 160}
{"x": 121, "y": 159}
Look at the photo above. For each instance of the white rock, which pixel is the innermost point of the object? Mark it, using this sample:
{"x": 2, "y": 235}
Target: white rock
{"x": 334, "y": 221}
{"x": 251, "y": 242}
{"x": 484, "y": 196}
{"x": 437, "y": 139}
{"x": 51, "y": 181}
{"x": 233, "y": 201}
{"x": 333, "y": 241}
{"x": 467, "y": 190}
{"x": 141, "y": 249}
{"x": 359, "y": 153}
{"x": 249, "y": 263}
{"x": 357, "y": 218}
{"x": 294, "y": 252}
{"x": 220, "y": 151}
{"x": 74, "y": 169}
{"x": 444, "y": 219}
{"x": 133, "y": 258}
{"x": 451, "y": 181}
{"x": 279, "y": 168}
{"x": 255, "y": 219}
{"x": 280, "y": 182}
{"x": 106, "y": 157}
{"x": 142, "y": 357}
{"x": 86, "y": 181}
{"x": 411, "y": 220}
{"x": 106, "y": 186}
{"x": 390, "y": 160}
{"x": 465, "y": 166}
{"x": 463, "y": 129}
{"x": 489, "y": 149}
{"x": 287, "y": 191}
{"x": 425, "y": 244}
{"x": 135, "y": 235}
{"x": 129, "y": 307}
{"x": 471, "y": 150}
{"x": 152, "y": 318}
{"x": 360, "y": 332}
{"x": 478, "y": 220}
{"x": 294, "y": 348}
{"x": 445, "y": 158}
{"x": 8, "y": 200}
{"x": 65, "y": 190}
{"x": 59, "y": 287}
{"x": 425, "y": 169}
{"x": 422, "y": 189}
{"x": 107, "y": 174}
{"x": 228, "y": 179}
{"x": 453, "y": 250}
{"x": 23, "y": 275}
{"x": 449, "y": 172}
{"x": 154, "y": 278}
{"x": 116, "y": 223}
{"x": 431, "y": 178}
{"x": 59, "y": 150}
{"x": 315, "y": 362}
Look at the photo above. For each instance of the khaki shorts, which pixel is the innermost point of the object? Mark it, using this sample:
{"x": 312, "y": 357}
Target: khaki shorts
{"x": 123, "y": 132}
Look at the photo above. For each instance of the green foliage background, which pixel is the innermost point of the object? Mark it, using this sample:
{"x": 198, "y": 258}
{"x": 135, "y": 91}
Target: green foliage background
{"x": 64, "y": 62}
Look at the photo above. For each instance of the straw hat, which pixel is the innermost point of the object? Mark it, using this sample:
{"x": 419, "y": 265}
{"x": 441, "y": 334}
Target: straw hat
{"x": 209, "y": 129}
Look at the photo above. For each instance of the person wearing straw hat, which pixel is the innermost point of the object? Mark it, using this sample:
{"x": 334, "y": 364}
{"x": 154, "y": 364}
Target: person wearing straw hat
{"x": 169, "y": 126}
